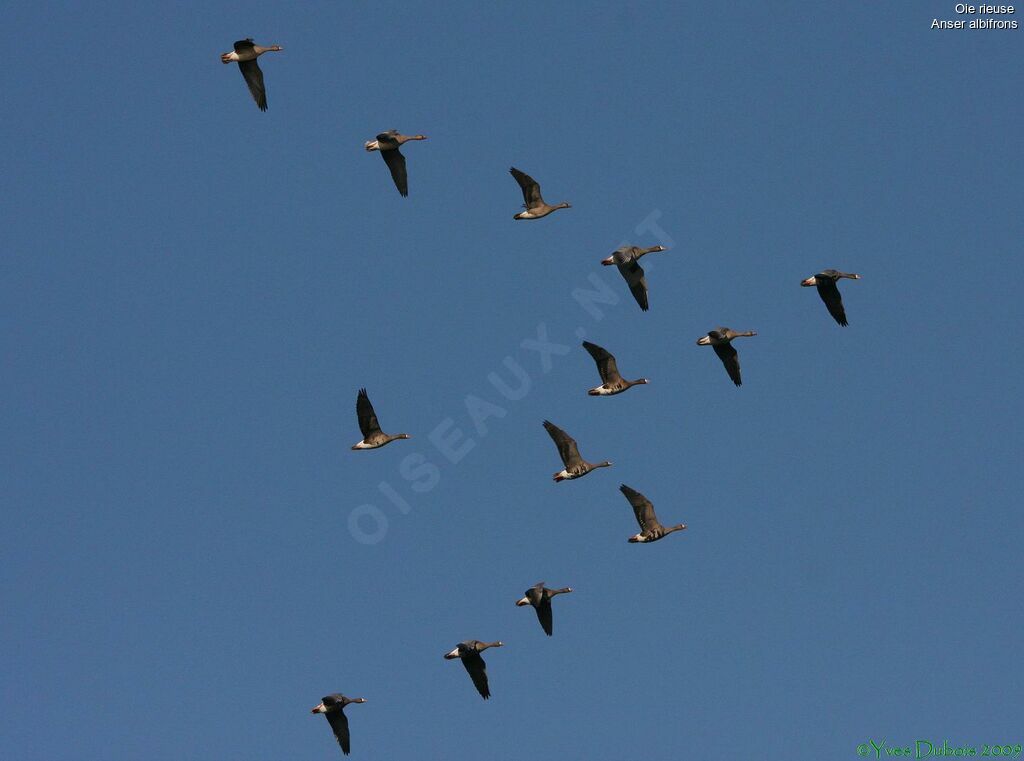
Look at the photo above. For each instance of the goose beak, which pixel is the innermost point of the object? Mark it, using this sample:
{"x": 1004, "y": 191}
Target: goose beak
{"x": 319, "y": 709}
{"x": 524, "y": 601}
{"x": 705, "y": 341}
{"x": 453, "y": 654}
{"x": 808, "y": 281}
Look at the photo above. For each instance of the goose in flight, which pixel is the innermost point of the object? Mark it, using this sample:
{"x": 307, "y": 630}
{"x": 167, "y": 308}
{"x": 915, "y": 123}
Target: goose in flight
{"x": 827, "y": 283}
{"x": 720, "y": 340}
{"x": 533, "y": 203}
{"x": 373, "y": 437}
{"x": 539, "y": 597}
{"x": 469, "y": 652}
{"x": 611, "y": 381}
{"x": 388, "y": 144}
{"x": 627, "y": 259}
{"x": 575, "y": 466}
{"x": 650, "y": 529}
{"x": 245, "y": 55}
{"x": 333, "y": 707}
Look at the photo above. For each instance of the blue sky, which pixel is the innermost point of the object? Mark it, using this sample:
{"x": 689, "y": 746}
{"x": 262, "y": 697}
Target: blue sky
{"x": 193, "y": 292}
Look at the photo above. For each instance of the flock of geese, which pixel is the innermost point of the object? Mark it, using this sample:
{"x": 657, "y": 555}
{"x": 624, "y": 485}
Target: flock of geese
{"x": 627, "y": 260}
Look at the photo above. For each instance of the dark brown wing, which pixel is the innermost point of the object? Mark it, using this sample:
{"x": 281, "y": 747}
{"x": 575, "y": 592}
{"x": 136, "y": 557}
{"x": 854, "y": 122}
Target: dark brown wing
{"x": 244, "y": 46}
{"x": 368, "y": 424}
{"x": 254, "y": 78}
{"x": 477, "y": 670}
{"x": 567, "y": 449}
{"x": 730, "y": 359}
{"x": 396, "y": 163}
{"x": 634, "y": 275}
{"x": 544, "y": 614}
{"x": 829, "y": 292}
{"x": 642, "y": 509}
{"x": 605, "y": 362}
{"x": 339, "y": 725}
{"x": 530, "y": 187}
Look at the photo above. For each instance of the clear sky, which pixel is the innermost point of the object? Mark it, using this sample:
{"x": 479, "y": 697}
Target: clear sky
{"x": 194, "y": 291}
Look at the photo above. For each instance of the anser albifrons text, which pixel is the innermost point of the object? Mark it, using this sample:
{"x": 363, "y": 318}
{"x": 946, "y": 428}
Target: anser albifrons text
{"x": 539, "y": 597}
{"x": 650, "y": 529}
{"x": 388, "y": 143}
{"x": 827, "y": 284}
{"x": 627, "y": 260}
{"x": 611, "y": 381}
{"x": 333, "y": 707}
{"x": 245, "y": 54}
{"x": 534, "y": 204}
{"x": 575, "y": 466}
{"x": 469, "y": 652}
{"x": 373, "y": 437}
{"x": 719, "y": 339}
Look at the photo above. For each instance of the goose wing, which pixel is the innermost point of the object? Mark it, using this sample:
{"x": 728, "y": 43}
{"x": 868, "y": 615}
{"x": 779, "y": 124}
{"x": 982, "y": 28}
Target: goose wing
{"x": 339, "y": 725}
{"x": 477, "y": 670}
{"x": 396, "y": 163}
{"x": 642, "y": 509}
{"x": 543, "y": 609}
{"x": 566, "y": 444}
{"x": 254, "y": 78}
{"x": 633, "y": 273}
{"x": 606, "y": 366}
{"x": 730, "y": 359}
{"x": 828, "y": 289}
{"x": 368, "y": 424}
{"x": 530, "y": 188}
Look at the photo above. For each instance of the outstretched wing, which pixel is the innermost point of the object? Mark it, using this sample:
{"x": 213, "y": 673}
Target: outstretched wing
{"x": 368, "y": 424}
{"x": 396, "y": 163}
{"x": 254, "y": 78}
{"x": 829, "y": 292}
{"x": 477, "y": 670}
{"x": 567, "y": 449}
{"x": 634, "y": 275}
{"x": 730, "y": 359}
{"x": 605, "y": 362}
{"x": 544, "y": 614}
{"x": 642, "y": 509}
{"x": 339, "y": 725}
{"x": 530, "y": 187}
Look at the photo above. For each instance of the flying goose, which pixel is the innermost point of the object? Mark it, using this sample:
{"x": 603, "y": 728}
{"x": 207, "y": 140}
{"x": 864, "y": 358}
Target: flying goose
{"x": 539, "y": 597}
{"x": 245, "y": 54}
{"x": 611, "y": 381}
{"x": 827, "y": 284}
{"x": 627, "y": 260}
{"x": 469, "y": 651}
{"x": 534, "y": 204}
{"x": 333, "y": 707}
{"x": 719, "y": 339}
{"x": 650, "y": 529}
{"x": 388, "y": 143}
{"x": 575, "y": 466}
{"x": 373, "y": 437}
